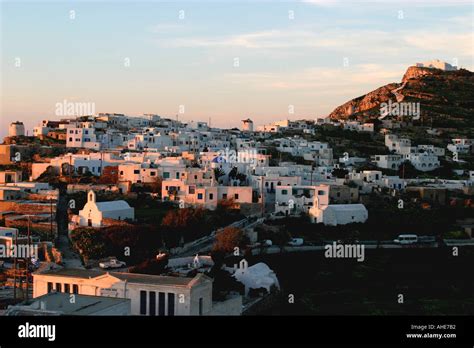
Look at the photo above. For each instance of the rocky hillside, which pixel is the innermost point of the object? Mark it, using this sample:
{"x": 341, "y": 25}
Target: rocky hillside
{"x": 446, "y": 98}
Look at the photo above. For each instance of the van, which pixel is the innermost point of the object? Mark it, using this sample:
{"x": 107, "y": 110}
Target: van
{"x": 404, "y": 239}
{"x": 296, "y": 242}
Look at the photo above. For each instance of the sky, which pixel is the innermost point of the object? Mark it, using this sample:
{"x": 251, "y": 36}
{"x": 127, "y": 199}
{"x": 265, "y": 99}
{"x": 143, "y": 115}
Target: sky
{"x": 217, "y": 60}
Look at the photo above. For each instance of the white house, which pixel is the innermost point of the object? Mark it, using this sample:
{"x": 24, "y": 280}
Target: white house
{"x": 388, "y": 161}
{"x": 462, "y": 146}
{"x": 256, "y": 276}
{"x": 94, "y": 212}
{"x": 82, "y": 137}
{"x": 424, "y": 161}
{"x": 339, "y": 214}
{"x": 314, "y": 200}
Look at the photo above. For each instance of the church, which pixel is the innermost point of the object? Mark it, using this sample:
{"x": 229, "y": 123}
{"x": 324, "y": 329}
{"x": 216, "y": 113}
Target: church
{"x": 94, "y": 212}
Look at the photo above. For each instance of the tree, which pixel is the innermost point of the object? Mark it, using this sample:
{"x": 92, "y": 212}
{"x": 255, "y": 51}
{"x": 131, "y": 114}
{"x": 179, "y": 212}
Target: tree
{"x": 218, "y": 172}
{"x": 89, "y": 242}
{"x": 229, "y": 238}
{"x": 340, "y": 173}
{"x": 156, "y": 185}
{"x": 109, "y": 175}
{"x": 407, "y": 170}
{"x": 233, "y": 173}
{"x": 150, "y": 266}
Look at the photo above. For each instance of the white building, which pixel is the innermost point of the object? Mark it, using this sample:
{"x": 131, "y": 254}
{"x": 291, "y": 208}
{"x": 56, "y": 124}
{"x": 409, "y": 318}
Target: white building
{"x": 256, "y": 276}
{"x": 398, "y": 145}
{"x": 16, "y": 129}
{"x": 388, "y": 161}
{"x": 206, "y": 196}
{"x": 461, "y": 146}
{"x": 151, "y": 295}
{"x": 424, "y": 161}
{"x": 314, "y": 200}
{"x": 340, "y": 214}
{"x": 437, "y": 64}
{"x": 94, "y": 212}
{"x": 247, "y": 125}
{"x": 358, "y": 127}
{"x": 268, "y": 128}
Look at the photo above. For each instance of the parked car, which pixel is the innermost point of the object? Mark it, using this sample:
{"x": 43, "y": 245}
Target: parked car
{"x": 296, "y": 242}
{"x": 112, "y": 263}
{"x": 405, "y": 239}
{"x": 267, "y": 242}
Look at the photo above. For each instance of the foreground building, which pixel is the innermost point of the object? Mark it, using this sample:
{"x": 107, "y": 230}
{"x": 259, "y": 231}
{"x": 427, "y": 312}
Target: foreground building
{"x": 149, "y": 294}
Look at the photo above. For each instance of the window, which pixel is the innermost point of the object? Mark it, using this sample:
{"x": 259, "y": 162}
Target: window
{"x": 121, "y": 172}
{"x": 211, "y": 196}
{"x": 75, "y": 289}
{"x": 166, "y": 175}
{"x": 224, "y": 196}
{"x": 58, "y": 287}
{"x": 191, "y": 190}
{"x": 50, "y": 287}
{"x": 177, "y": 175}
{"x": 152, "y": 296}
{"x": 67, "y": 288}
{"x": 142, "y": 302}
{"x": 284, "y": 192}
{"x": 153, "y": 173}
{"x": 199, "y": 195}
{"x": 136, "y": 171}
{"x": 200, "y": 306}
{"x": 321, "y": 193}
{"x": 70, "y": 139}
{"x": 170, "y": 304}
{"x": 236, "y": 196}
{"x": 161, "y": 303}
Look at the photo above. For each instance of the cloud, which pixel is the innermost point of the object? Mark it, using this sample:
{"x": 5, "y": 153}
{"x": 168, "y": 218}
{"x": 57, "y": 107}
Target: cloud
{"x": 425, "y": 3}
{"x": 321, "y": 79}
{"x": 455, "y": 44}
{"x": 166, "y": 28}
{"x": 376, "y": 44}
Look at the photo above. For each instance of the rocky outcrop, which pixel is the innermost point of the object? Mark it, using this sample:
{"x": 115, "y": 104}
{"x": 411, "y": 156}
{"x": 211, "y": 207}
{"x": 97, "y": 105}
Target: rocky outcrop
{"x": 446, "y": 97}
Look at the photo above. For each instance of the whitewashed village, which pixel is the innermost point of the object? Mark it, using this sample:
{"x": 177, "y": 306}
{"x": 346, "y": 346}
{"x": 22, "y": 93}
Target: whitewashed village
{"x": 153, "y": 215}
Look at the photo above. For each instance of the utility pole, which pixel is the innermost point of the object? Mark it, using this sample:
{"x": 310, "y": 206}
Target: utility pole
{"x": 101, "y": 160}
{"x": 70, "y": 167}
{"x": 27, "y": 259}
{"x": 51, "y": 215}
{"x": 14, "y": 266}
